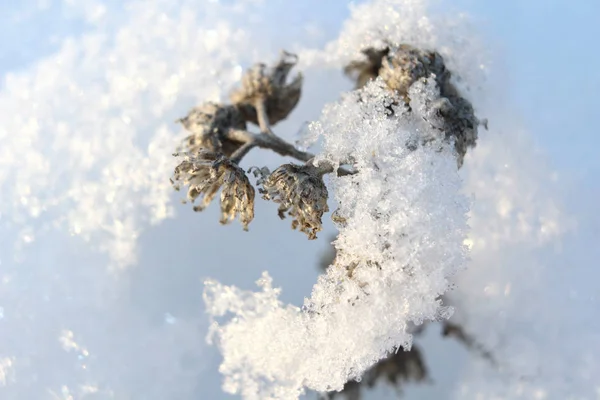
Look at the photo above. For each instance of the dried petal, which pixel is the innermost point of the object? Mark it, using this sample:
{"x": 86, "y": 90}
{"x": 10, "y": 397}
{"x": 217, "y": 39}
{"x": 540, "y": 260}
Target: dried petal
{"x": 268, "y": 84}
{"x": 205, "y": 172}
{"x": 208, "y": 124}
{"x": 301, "y": 192}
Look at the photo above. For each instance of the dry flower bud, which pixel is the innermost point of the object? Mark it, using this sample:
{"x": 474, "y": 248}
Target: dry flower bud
{"x": 208, "y": 124}
{"x": 205, "y": 172}
{"x": 268, "y": 84}
{"x": 301, "y": 192}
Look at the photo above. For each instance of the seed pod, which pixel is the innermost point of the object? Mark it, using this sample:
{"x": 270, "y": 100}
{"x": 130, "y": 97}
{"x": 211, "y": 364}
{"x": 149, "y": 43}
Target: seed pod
{"x": 301, "y": 193}
{"x": 268, "y": 84}
{"x": 208, "y": 125}
{"x": 205, "y": 172}
{"x": 363, "y": 71}
{"x": 405, "y": 64}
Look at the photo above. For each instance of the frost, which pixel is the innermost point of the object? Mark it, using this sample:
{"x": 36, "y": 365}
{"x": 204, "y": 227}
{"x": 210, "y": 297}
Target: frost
{"x": 404, "y": 225}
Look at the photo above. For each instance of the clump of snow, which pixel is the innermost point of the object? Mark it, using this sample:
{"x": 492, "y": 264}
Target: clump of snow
{"x": 373, "y": 24}
{"x": 403, "y": 232}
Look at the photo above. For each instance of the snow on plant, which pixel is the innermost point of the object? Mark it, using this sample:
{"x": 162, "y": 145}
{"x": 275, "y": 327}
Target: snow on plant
{"x": 402, "y": 225}
{"x": 395, "y": 146}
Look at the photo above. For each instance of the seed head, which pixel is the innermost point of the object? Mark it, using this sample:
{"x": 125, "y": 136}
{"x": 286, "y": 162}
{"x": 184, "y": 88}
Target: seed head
{"x": 268, "y": 84}
{"x": 205, "y": 172}
{"x": 404, "y": 65}
{"x": 301, "y": 192}
{"x": 367, "y": 69}
{"x": 400, "y": 67}
{"x": 208, "y": 124}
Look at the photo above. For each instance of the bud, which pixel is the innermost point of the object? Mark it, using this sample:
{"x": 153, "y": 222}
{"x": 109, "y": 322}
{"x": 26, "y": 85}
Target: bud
{"x": 301, "y": 192}
{"x": 205, "y": 172}
{"x": 208, "y": 124}
{"x": 268, "y": 84}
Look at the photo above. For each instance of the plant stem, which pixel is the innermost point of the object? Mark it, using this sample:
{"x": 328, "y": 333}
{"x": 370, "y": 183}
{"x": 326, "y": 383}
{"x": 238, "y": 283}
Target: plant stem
{"x": 244, "y": 149}
{"x": 263, "y": 118}
{"x": 276, "y": 144}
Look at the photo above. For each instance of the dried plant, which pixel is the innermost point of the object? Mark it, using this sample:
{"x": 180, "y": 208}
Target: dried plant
{"x": 301, "y": 193}
{"x": 209, "y": 124}
{"x": 403, "y": 65}
{"x": 206, "y": 172}
{"x": 219, "y": 140}
{"x": 265, "y": 90}
{"x": 363, "y": 71}
{"x": 400, "y": 67}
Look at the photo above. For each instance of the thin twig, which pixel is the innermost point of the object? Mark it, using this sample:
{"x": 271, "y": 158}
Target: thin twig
{"x": 263, "y": 118}
{"x": 237, "y": 155}
{"x": 279, "y": 146}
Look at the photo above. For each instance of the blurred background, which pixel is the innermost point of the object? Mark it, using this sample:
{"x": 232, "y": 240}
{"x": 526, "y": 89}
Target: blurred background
{"x": 102, "y": 268}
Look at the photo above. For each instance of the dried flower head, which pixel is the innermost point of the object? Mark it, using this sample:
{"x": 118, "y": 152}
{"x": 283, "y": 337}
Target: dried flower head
{"x": 208, "y": 124}
{"x": 205, "y": 172}
{"x": 363, "y": 71}
{"x": 268, "y": 84}
{"x": 404, "y": 65}
{"x": 301, "y": 192}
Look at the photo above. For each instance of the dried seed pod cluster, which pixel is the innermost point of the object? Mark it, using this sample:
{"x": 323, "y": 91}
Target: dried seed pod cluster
{"x": 214, "y": 147}
{"x": 218, "y": 140}
{"x": 301, "y": 193}
{"x": 402, "y": 66}
{"x": 206, "y": 173}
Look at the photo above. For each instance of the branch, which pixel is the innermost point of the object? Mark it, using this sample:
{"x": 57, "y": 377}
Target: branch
{"x": 263, "y": 117}
{"x": 273, "y": 142}
{"x": 244, "y": 149}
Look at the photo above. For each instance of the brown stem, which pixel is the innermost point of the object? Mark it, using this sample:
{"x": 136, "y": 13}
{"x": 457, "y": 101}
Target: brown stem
{"x": 244, "y": 149}
{"x": 263, "y": 118}
{"x": 278, "y": 145}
